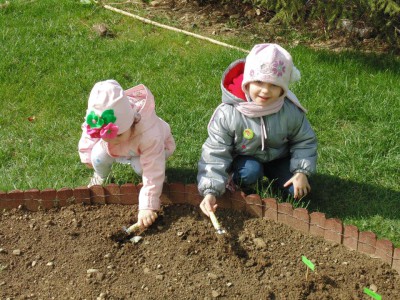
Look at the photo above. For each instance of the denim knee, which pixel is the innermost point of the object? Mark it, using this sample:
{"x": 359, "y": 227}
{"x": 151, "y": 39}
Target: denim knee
{"x": 247, "y": 172}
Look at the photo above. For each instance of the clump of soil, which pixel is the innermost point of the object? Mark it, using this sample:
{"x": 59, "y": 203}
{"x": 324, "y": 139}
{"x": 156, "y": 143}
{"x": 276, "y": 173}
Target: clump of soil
{"x": 80, "y": 252}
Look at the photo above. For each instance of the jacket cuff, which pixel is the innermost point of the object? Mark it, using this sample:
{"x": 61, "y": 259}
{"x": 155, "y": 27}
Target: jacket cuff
{"x": 148, "y": 202}
{"x": 307, "y": 173}
{"x": 210, "y": 192}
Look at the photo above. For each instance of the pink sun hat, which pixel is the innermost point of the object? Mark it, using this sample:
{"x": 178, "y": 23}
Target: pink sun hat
{"x": 270, "y": 63}
{"x": 109, "y": 111}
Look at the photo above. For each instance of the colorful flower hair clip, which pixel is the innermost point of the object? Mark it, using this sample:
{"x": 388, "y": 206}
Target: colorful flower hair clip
{"x": 102, "y": 126}
{"x": 109, "y": 131}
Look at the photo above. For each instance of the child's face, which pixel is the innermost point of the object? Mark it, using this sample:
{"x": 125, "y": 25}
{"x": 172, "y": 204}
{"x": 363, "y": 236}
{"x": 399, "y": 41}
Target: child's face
{"x": 120, "y": 138}
{"x": 264, "y": 93}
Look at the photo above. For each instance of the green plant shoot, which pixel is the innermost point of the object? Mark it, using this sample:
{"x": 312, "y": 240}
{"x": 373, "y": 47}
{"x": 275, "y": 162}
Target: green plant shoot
{"x": 308, "y": 263}
{"x": 372, "y": 294}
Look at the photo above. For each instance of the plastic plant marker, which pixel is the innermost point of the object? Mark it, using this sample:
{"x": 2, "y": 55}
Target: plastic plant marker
{"x": 308, "y": 263}
{"x": 372, "y": 294}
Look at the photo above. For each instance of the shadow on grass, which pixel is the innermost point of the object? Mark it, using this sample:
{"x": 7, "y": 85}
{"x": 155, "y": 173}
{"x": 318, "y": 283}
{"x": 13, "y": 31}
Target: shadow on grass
{"x": 370, "y": 61}
{"x": 342, "y": 199}
{"x": 181, "y": 175}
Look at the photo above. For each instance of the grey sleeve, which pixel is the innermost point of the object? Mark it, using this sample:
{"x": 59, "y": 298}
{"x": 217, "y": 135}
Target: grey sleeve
{"x": 216, "y": 155}
{"x": 303, "y": 147}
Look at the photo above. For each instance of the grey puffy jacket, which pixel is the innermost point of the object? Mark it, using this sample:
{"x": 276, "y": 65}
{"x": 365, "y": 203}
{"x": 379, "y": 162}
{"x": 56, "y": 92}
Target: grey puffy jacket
{"x": 288, "y": 134}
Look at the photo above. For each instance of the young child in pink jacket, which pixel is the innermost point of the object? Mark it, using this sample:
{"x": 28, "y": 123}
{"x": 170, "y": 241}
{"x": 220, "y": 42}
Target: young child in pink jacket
{"x": 122, "y": 126}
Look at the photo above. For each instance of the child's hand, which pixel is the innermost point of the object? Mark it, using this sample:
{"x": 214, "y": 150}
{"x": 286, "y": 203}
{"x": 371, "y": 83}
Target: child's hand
{"x": 146, "y": 217}
{"x": 208, "y": 204}
{"x": 300, "y": 185}
{"x": 89, "y": 165}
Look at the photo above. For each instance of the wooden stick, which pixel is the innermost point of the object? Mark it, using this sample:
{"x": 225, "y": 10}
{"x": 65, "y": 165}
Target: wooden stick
{"x": 132, "y": 228}
{"x": 216, "y": 224}
{"x": 135, "y": 227}
{"x": 173, "y": 28}
{"x": 214, "y": 221}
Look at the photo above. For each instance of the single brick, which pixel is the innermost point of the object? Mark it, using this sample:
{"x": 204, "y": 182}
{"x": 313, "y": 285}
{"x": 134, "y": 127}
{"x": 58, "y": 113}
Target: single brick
{"x": 65, "y": 197}
{"x": 15, "y": 199}
{"x": 112, "y": 193}
{"x": 254, "y": 205}
{"x": 31, "y": 199}
{"x": 238, "y": 199}
{"x": 384, "y": 250}
{"x": 333, "y": 230}
{"x": 285, "y": 213}
{"x": 192, "y": 194}
{"x": 82, "y": 195}
{"x": 367, "y": 242}
{"x": 301, "y": 219}
{"x": 97, "y": 194}
{"x": 396, "y": 260}
{"x": 317, "y": 224}
{"x": 129, "y": 194}
{"x": 177, "y": 193}
{"x": 270, "y": 209}
{"x": 350, "y": 237}
{"x": 48, "y": 199}
{"x": 3, "y": 200}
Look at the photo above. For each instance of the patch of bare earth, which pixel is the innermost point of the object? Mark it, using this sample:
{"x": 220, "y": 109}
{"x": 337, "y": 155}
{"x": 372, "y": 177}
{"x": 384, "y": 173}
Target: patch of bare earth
{"x": 239, "y": 19}
{"x": 79, "y": 252}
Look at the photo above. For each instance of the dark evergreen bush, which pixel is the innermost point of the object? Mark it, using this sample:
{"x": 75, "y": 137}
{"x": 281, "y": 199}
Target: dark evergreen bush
{"x": 363, "y": 18}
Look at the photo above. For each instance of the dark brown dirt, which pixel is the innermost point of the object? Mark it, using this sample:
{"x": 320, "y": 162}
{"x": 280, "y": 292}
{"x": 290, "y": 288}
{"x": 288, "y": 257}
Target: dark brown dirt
{"x": 79, "y": 252}
{"x": 240, "y": 19}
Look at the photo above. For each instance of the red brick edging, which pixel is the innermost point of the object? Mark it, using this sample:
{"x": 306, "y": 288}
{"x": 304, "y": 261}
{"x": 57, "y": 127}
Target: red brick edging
{"x": 314, "y": 223}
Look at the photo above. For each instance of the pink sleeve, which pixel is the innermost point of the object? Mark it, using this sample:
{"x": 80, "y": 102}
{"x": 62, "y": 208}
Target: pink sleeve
{"x": 85, "y": 146}
{"x": 152, "y": 159}
{"x": 170, "y": 145}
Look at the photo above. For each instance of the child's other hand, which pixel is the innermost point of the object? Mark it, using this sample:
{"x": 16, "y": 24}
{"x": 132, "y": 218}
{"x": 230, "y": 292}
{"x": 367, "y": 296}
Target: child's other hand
{"x": 89, "y": 165}
{"x": 300, "y": 185}
{"x": 208, "y": 204}
{"x": 146, "y": 217}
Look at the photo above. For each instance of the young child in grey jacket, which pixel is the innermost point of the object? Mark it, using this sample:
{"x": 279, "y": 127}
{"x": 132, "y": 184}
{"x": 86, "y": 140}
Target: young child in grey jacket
{"x": 260, "y": 129}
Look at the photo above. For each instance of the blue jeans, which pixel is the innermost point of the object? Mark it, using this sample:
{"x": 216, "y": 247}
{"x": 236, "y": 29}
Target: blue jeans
{"x": 247, "y": 171}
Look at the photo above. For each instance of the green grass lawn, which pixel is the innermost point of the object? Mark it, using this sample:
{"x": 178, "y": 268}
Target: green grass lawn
{"x": 50, "y": 58}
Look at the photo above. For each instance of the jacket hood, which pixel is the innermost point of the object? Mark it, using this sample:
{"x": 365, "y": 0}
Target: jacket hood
{"x": 143, "y": 100}
{"x": 230, "y": 85}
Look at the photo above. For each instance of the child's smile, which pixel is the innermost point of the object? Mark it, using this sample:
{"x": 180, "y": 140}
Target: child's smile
{"x": 264, "y": 93}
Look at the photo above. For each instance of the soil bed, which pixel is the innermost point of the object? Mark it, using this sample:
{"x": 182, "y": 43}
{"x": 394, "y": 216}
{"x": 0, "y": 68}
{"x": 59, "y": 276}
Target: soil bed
{"x": 78, "y": 252}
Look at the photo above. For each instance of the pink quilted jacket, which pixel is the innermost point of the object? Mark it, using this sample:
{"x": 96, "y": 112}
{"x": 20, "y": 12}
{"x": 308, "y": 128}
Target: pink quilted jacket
{"x": 151, "y": 139}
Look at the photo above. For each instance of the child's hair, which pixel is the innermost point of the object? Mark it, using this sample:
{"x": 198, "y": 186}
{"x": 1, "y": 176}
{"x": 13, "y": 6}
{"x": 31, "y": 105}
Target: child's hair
{"x": 109, "y": 111}
{"x": 270, "y": 63}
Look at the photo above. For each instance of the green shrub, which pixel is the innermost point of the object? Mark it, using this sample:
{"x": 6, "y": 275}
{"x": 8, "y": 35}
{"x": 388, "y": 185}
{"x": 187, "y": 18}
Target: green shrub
{"x": 367, "y": 18}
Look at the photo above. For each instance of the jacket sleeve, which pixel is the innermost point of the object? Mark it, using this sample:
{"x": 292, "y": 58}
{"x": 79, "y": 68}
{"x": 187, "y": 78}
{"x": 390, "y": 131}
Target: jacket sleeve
{"x": 169, "y": 143}
{"x": 303, "y": 146}
{"x": 85, "y": 145}
{"x": 152, "y": 159}
{"x": 216, "y": 155}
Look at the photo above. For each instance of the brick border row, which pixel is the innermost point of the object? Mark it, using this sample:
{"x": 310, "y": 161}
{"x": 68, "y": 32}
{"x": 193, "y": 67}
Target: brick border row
{"x": 315, "y": 223}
